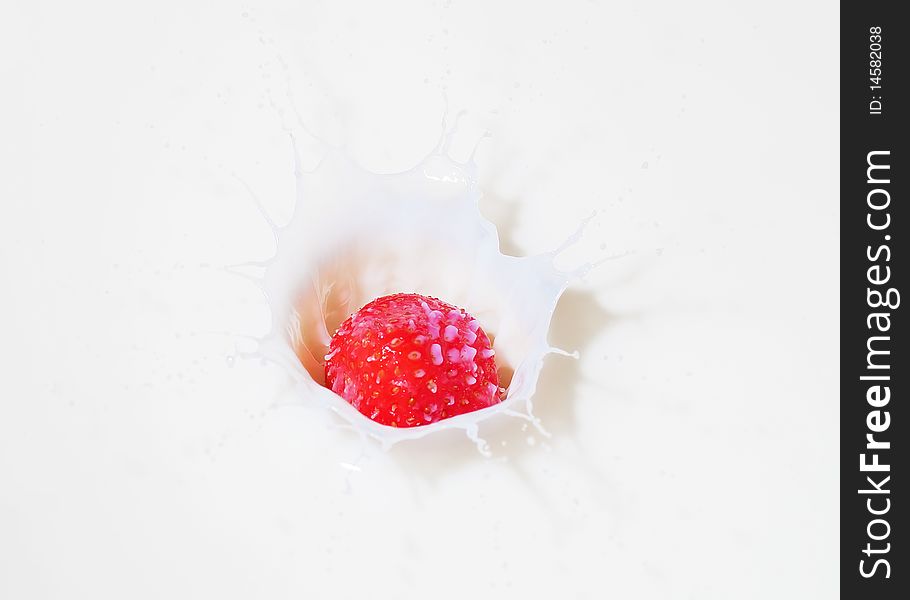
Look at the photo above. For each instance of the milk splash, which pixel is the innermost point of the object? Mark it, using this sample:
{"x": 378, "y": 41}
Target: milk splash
{"x": 357, "y": 235}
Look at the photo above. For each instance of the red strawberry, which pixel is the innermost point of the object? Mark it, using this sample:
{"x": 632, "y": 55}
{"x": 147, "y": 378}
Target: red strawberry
{"x": 407, "y": 360}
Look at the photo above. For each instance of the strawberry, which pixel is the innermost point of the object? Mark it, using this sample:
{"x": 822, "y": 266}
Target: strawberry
{"x": 407, "y": 360}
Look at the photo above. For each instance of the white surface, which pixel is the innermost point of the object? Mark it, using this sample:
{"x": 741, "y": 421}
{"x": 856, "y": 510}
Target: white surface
{"x": 693, "y": 449}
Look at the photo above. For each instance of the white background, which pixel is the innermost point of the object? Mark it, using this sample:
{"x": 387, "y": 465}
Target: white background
{"x": 693, "y": 448}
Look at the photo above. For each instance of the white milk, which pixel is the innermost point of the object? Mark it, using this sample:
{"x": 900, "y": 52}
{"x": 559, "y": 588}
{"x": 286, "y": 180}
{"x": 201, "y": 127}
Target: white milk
{"x": 357, "y": 235}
